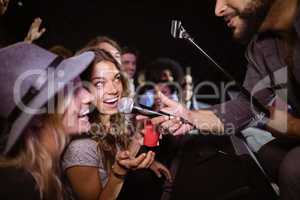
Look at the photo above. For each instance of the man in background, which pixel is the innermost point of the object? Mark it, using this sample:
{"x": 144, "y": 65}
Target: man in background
{"x": 129, "y": 59}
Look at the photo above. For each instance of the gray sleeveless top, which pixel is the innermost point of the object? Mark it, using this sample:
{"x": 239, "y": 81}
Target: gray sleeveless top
{"x": 83, "y": 152}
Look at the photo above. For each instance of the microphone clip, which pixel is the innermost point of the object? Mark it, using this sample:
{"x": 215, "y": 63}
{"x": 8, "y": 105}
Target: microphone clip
{"x": 177, "y": 30}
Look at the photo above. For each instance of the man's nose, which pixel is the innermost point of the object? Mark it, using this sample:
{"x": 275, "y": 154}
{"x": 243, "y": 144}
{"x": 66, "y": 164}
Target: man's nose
{"x": 220, "y": 8}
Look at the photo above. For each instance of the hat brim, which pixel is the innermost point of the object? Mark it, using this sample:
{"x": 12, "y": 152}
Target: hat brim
{"x": 66, "y": 71}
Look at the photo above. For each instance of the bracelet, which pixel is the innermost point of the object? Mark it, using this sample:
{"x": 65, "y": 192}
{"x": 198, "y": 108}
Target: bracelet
{"x": 117, "y": 175}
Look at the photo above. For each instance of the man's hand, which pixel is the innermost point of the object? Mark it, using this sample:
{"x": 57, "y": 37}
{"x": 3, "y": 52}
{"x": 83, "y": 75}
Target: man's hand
{"x": 185, "y": 120}
{"x": 174, "y": 125}
{"x": 34, "y": 32}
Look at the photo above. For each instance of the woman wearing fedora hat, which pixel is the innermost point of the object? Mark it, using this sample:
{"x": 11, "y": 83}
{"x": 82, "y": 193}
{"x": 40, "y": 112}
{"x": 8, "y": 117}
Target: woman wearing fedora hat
{"x": 97, "y": 164}
{"x": 43, "y": 102}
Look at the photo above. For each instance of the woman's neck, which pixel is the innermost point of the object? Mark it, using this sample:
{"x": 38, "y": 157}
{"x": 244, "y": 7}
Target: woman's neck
{"x": 105, "y": 120}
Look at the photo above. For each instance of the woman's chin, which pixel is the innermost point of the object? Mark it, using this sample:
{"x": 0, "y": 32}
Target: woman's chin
{"x": 82, "y": 128}
{"x": 110, "y": 112}
{"x": 85, "y": 128}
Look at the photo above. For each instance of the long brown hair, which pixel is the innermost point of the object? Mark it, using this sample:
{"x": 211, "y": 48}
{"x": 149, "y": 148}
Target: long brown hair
{"x": 118, "y": 135}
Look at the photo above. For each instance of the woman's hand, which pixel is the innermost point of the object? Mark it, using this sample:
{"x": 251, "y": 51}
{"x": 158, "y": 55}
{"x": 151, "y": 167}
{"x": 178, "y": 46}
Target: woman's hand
{"x": 159, "y": 169}
{"x": 124, "y": 162}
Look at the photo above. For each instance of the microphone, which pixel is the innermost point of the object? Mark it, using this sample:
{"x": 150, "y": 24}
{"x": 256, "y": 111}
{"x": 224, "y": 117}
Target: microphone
{"x": 126, "y": 105}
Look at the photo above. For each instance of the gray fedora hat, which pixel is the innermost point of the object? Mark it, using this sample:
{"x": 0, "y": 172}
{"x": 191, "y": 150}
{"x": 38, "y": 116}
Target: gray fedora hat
{"x": 29, "y": 77}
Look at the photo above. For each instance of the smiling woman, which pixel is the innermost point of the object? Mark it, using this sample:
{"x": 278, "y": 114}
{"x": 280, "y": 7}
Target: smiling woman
{"x": 108, "y": 87}
{"x": 35, "y": 134}
{"x": 97, "y": 164}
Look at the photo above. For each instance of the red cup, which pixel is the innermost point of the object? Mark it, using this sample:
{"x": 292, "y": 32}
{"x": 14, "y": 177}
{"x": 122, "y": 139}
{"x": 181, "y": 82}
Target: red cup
{"x": 151, "y": 137}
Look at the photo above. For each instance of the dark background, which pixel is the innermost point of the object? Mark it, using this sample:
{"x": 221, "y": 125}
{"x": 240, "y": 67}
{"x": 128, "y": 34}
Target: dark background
{"x": 144, "y": 25}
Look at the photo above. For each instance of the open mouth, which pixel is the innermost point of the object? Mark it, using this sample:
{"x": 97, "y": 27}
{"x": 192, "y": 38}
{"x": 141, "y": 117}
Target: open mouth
{"x": 111, "y": 102}
{"x": 229, "y": 20}
{"x": 83, "y": 115}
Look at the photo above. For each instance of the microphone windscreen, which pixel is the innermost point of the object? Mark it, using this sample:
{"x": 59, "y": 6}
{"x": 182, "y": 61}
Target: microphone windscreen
{"x": 125, "y": 105}
{"x": 175, "y": 25}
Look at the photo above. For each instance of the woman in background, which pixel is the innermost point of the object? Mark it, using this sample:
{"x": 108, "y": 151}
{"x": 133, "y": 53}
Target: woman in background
{"x": 107, "y": 44}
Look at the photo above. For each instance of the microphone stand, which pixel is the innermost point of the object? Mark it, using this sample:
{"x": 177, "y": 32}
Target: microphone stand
{"x": 178, "y": 31}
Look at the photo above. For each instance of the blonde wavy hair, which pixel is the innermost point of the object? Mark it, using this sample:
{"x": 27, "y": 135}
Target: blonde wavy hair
{"x": 30, "y": 153}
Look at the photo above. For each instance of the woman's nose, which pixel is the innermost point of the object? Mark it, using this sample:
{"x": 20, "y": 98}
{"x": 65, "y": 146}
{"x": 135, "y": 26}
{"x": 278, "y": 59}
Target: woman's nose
{"x": 86, "y": 96}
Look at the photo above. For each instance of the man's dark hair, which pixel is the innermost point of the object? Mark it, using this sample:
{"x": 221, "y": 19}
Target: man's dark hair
{"x": 154, "y": 70}
{"x": 131, "y": 50}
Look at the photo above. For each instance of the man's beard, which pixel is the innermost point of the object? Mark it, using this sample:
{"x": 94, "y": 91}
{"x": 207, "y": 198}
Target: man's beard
{"x": 252, "y": 16}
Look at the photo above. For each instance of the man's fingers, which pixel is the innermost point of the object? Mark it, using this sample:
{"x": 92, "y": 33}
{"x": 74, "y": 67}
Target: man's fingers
{"x": 159, "y": 120}
{"x": 165, "y": 100}
{"x": 183, "y": 129}
{"x": 175, "y": 127}
{"x": 141, "y": 117}
{"x": 170, "y": 123}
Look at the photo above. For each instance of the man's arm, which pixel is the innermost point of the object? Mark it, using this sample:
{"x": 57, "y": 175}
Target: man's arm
{"x": 225, "y": 118}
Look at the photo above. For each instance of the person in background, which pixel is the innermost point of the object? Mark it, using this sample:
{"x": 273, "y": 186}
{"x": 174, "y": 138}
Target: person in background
{"x": 129, "y": 59}
{"x": 35, "y": 31}
{"x": 187, "y": 90}
{"x": 37, "y": 123}
{"x": 165, "y": 70}
{"x": 108, "y": 44}
{"x": 62, "y": 51}
{"x": 3, "y": 6}
{"x": 161, "y": 70}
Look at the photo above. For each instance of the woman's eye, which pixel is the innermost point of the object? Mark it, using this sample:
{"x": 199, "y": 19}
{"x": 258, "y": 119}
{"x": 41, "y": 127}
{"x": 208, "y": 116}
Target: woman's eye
{"x": 99, "y": 84}
{"x": 118, "y": 77}
{"x": 117, "y": 55}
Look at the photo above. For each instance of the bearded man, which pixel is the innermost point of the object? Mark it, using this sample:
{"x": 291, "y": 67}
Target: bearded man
{"x": 271, "y": 28}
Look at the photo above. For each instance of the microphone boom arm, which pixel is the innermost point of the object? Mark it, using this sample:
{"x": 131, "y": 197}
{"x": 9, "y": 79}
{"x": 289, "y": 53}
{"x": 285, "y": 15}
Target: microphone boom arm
{"x": 178, "y": 31}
